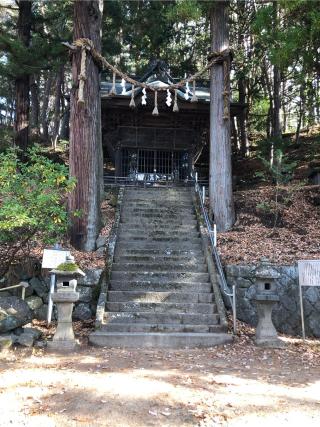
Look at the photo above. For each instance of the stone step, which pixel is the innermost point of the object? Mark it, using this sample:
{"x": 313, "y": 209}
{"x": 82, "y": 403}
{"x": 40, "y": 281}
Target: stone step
{"x": 163, "y": 266}
{"x": 161, "y": 239}
{"x": 174, "y": 297}
{"x": 160, "y": 258}
{"x": 162, "y": 228}
{"x": 158, "y": 222}
{"x": 188, "y": 253}
{"x": 177, "y": 210}
{"x": 161, "y": 307}
{"x": 163, "y": 276}
{"x": 164, "y": 246}
{"x": 163, "y": 216}
{"x": 158, "y": 340}
{"x": 156, "y": 204}
{"x": 148, "y": 286}
{"x": 156, "y": 234}
{"x": 166, "y": 327}
{"x": 159, "y": 191}
{"x": 138, "y": 197}
{"x": 158, "y": 201}
{"x": 152, "y": 317}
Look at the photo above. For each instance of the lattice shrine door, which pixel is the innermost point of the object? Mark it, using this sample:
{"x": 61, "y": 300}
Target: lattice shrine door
{"x": 154, "y": 165}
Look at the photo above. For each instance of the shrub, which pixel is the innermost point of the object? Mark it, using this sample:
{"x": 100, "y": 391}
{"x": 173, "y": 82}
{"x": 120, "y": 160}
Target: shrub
{"x": 32, "y": 202}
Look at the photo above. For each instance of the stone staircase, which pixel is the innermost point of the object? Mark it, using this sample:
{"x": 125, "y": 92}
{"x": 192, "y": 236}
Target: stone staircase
{"x": 160, "y": 294}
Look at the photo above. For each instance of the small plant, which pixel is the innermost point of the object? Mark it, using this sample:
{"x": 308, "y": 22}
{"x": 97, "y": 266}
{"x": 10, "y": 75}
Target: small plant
{"x": 264, "y": 207}
{"x": 281, "y": 170}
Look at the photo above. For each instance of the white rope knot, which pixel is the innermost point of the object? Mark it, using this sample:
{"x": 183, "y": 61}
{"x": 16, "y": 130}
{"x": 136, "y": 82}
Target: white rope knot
{"x": 113, "y": 88}
{"x": 82, "y": 76}
{"x": 194, "y": 96}
{"x": 155, "y": 111}
{"x": 132, "y": 102}
{"x": 175, "y": 105}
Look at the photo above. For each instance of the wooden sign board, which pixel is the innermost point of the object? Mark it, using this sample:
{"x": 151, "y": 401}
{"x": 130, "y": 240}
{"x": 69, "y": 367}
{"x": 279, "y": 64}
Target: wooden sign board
{"x": 309, "y": 272}
{"x": 53, "y": 257}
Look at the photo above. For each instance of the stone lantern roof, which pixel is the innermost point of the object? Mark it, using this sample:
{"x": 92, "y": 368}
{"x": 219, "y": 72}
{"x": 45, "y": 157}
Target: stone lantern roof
{"x": 266, "y": 271}
{"x": 68, "y": 268}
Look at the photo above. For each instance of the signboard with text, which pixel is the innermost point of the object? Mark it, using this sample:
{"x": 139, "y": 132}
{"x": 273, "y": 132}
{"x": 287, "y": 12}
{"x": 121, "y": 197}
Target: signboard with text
{"x": 53, "y": 257}
{"x": 309, "y": 275}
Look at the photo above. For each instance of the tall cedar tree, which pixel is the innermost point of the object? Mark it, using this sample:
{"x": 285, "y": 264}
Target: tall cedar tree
{"x": 85, "y": 131}
{"x": 220, "y": 181}
{"x": 22, "y": 81}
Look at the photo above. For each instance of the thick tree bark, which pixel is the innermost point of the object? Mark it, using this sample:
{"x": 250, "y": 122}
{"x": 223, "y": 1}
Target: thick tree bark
{"x": 22, "y": 81}
{"x": 85, "y": 132}
{"x": 242, "y": 88}
{"x": 220, "y": 186}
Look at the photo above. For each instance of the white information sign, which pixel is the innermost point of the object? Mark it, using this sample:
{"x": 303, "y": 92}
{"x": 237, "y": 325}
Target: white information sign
{"x": 309, "y": 275}
{"x": 53, "y": 257}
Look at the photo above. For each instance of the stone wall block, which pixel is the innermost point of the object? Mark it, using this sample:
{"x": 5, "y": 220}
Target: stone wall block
{"x": 85, "y": 293}
{"x": 91, "y": 278}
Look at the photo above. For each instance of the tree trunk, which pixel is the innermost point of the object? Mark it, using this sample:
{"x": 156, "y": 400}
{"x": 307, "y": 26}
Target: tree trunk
{"x": 22, "y": 81}
{"x": 45, "y": 105}
{"x": 35, "y": 107}
{"x": 220, "y": 185}
{"x": 302, "y": 103}
{"x": 242, "y": 120}
{"x": 242, "y": 88}
{"x": 276, "y": 124}
{"x": 85, "y": 132}
{"x": 64, "y": 131}
{"x": 57, "y": 106}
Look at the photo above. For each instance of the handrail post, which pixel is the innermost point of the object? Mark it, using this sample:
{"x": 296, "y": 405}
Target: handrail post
{"x": 234, "y": 309}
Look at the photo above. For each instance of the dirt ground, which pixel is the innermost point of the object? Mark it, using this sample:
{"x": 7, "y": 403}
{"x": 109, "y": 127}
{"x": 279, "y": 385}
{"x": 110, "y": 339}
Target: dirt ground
{"x": 233, "y": 385}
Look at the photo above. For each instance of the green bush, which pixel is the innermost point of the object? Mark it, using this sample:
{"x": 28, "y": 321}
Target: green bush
{"x": 32, "y": 201}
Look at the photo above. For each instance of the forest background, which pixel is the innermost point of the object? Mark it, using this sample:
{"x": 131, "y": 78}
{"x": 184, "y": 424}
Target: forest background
{"x": 275, "y": 72}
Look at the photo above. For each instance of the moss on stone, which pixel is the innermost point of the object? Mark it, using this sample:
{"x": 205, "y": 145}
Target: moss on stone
{"x": 66, "y": 266}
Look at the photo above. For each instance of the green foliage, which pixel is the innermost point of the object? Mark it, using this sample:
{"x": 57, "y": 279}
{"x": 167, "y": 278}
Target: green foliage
{"x": 32, "y": 201}
{"x": 71, "y": 267}
{"x": 281, "y": 170}
{"x": 174, "y": 31}
{"x": 264, "y": 207}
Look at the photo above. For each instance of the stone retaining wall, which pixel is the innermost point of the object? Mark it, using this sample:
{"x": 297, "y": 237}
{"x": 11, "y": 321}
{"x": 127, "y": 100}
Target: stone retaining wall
{"x": 37, "y": 295}
{"x": 286, "y": 314}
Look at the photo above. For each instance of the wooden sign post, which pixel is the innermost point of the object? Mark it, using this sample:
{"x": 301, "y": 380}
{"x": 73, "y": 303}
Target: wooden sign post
{"x": 309, "y": 275}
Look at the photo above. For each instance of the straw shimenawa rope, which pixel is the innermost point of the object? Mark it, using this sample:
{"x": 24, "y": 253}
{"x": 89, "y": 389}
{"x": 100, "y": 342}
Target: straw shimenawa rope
{"x": 86, "y": 45}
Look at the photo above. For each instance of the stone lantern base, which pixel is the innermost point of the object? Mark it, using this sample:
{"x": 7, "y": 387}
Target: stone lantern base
{"x": 63, "y": 345}
{"x": 266, "y": 334}
{"x": 64, "y": 339}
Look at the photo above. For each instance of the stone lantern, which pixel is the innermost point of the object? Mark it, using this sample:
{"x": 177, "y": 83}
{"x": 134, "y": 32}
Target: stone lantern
{"x": 265, "y": 298}
{"x": 64, "y": 297}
